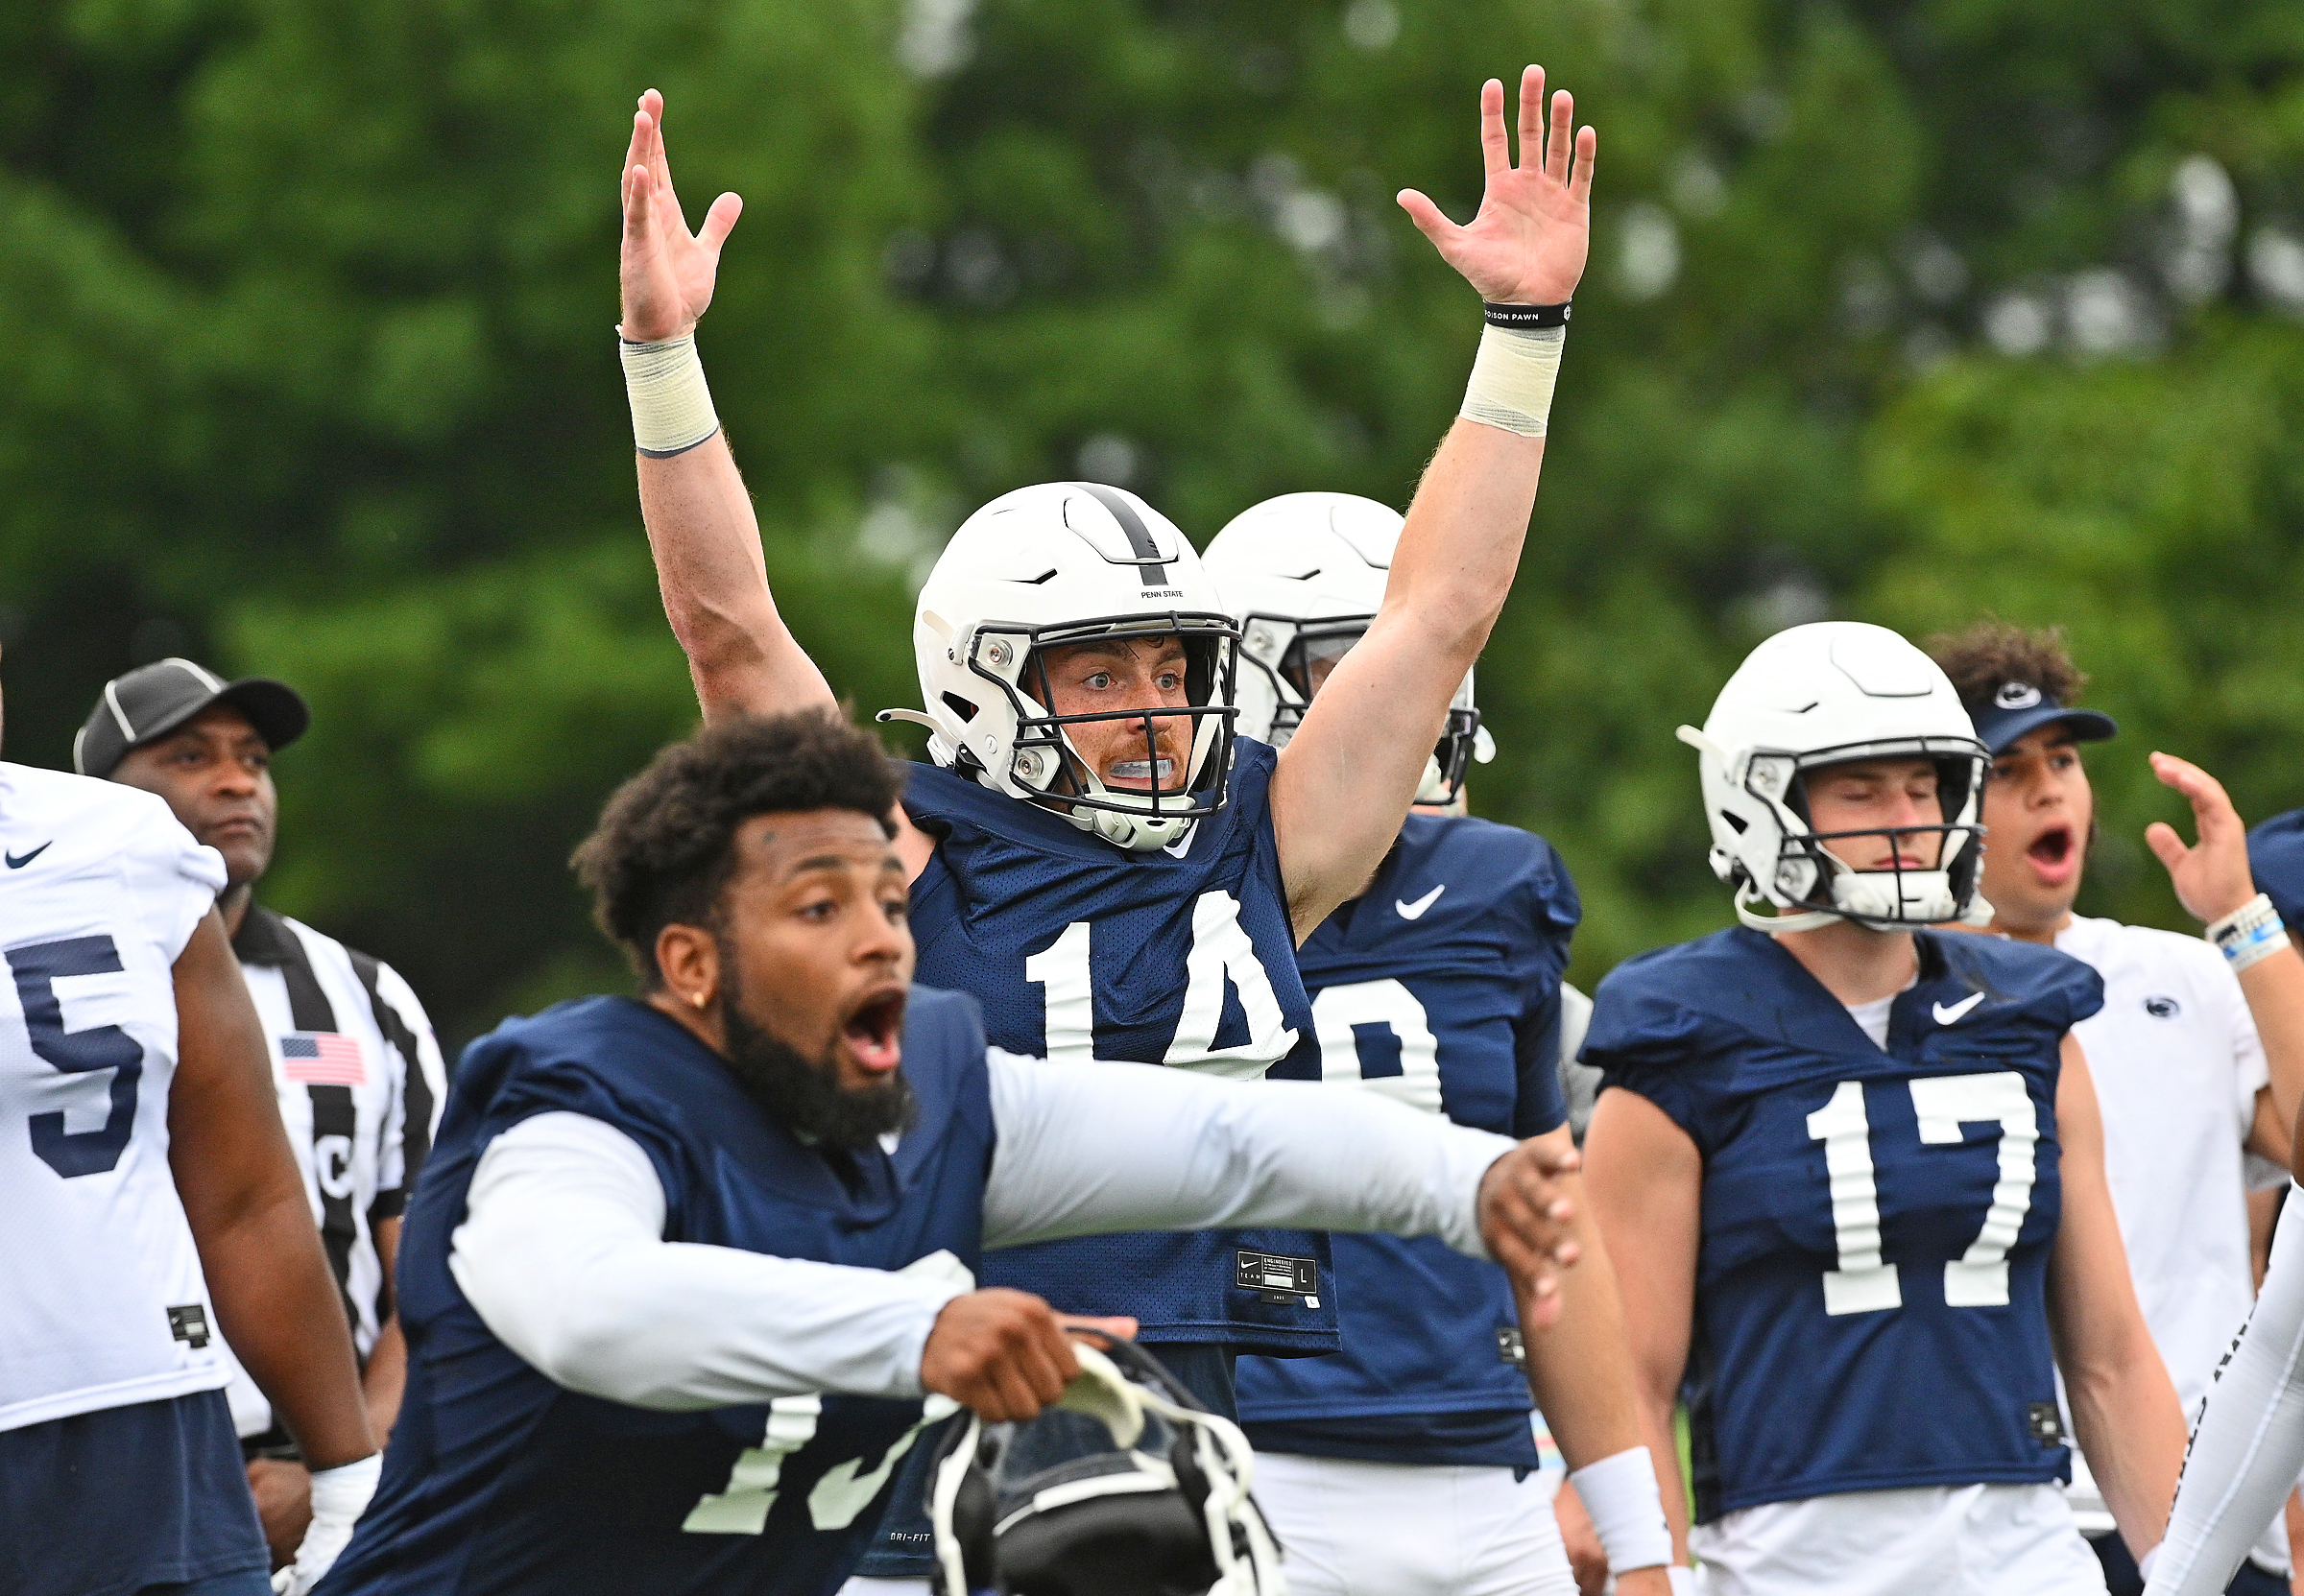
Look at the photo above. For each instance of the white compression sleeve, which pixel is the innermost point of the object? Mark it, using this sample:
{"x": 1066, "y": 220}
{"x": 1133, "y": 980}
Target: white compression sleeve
{"x": 2249, "y": 1443}
{"x": 562, "y": 1253}
{"x": 1085, "y": 1148}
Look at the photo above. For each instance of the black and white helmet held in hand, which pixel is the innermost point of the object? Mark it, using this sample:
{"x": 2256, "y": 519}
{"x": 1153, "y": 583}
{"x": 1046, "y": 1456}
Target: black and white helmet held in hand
{"x": 1828, "y": 693}
{"x": 1304, "y": 575}
{"x": 1055, "y": 564}
{"x": 1127, "y": 1488}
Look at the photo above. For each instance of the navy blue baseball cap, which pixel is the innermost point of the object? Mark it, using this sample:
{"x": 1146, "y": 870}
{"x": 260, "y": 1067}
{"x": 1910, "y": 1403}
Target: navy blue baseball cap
{"x": 2276, "y": 860}
{"x": 2016, "y": 707}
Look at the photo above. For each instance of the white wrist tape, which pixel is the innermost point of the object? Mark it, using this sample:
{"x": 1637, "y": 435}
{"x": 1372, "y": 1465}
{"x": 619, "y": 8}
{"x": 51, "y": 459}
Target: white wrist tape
{"x": 1619, "y": 1493}
{"x": 339, "y": 1497}
{"x": 671, "y": 405}
{"x": 2252, "y": 932}
{"x": 1683, "y": 1580}
{"x": 1512, "y": 378}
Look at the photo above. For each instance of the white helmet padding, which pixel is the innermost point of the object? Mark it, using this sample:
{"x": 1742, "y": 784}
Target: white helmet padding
{"x": 1126, "y": 1487}
{"x": 1303, "y": 574}
{"x": 1055, "y": 564}
{"x": 1828, "y": 693}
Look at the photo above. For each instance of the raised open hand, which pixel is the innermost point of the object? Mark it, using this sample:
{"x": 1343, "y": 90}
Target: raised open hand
{"x": 1528, "y": 244}
{"x": 2211, "y": 877}
{"x": 667, "y": 271}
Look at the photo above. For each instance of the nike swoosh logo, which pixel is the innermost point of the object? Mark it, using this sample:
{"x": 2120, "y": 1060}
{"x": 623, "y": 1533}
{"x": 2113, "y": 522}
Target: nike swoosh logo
{"x": 1415, "y": 910}
{"x": 1950, "y": 1015}
{"x": 17, "y": 860}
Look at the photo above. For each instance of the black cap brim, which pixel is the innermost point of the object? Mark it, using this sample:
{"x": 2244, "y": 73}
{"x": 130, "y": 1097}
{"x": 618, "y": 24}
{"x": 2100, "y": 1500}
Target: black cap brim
{"x": 276, "y": 710}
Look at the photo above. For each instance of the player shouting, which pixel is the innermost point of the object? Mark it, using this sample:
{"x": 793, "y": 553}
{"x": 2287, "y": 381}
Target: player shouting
{"x": 688, "y": 1275}
{"x": 1403, "y": 1463}
{"x": 1850, "y": 1170}
{"x": 2184, "y": 1081}
{"x": 1101, "y": 863}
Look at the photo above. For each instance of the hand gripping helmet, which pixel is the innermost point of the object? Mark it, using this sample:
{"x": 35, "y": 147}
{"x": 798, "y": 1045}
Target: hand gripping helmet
{"x": 1126, "y": 1487}
{"x": 1824, "y": 694}
{"x": 1304, "y": 575}
{"x": 1060, "y": 563}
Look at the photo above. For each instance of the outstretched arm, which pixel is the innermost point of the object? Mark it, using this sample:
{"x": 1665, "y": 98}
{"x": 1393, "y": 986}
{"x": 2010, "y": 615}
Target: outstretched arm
{"x": 2250, "y": 1441}
{"x": 2212, "y": 881}
{"x": 701, "y": 526}
{"x": 1346, "y": 779}
{"x": 2124, "y": 1412}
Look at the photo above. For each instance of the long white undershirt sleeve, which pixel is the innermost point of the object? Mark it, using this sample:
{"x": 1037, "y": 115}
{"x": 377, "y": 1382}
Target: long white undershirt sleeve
{"x": 1137, "y": 1147}
{"x": 561, "y": 1251}
{"x": 2249, "y": 1444}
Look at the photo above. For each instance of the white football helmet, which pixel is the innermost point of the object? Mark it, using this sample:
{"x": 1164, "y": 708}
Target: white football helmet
{"x": 1042, "y": 567}
{"x": 1304, "y": 575}
{"x": 1821, "y": 695}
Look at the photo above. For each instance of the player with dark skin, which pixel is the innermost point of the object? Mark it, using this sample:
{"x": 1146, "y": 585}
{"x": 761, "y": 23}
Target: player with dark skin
{"x": 814, "y": 920}
{"x": 215, "y": 772}
{"x": 275, "y": 1300}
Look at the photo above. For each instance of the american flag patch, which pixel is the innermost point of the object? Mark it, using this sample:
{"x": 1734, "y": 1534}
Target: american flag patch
{"x": 323, "y": 1058}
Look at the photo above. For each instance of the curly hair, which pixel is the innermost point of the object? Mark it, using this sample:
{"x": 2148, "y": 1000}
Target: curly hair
{"x": 1985, "y": 656}
{"x": 663, "y": 853}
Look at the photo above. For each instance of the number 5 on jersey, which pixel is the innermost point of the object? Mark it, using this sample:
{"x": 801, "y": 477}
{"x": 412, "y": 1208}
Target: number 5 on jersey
{"x": 1865, "y": 1282}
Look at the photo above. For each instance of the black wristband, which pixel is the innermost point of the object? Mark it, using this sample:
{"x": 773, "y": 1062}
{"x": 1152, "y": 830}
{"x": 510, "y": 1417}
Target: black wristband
{"x": 1528, "y": 318}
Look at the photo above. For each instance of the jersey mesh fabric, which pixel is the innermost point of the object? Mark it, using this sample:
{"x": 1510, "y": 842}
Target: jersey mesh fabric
{"x": 1858, "y": 1326}
{"x": 498, "y": 1480}
{"x": 1439, "y": 985}
{"x": 1010, "y": 894}
{"x": 105, "y": 1304}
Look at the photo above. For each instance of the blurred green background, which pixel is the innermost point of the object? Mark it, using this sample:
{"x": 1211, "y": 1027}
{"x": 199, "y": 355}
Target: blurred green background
{"x": 1904, "y": 312}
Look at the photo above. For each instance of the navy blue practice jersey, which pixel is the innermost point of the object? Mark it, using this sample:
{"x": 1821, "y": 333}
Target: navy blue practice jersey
{"x": 500, "y": 1481}
{"x": 1871, "y": 1271}
{"x": 1080, "y": 951}
{"x": 1439, "y": 985}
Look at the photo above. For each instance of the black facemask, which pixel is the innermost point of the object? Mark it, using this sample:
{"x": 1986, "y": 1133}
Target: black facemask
{"x": 804, "y": 1096}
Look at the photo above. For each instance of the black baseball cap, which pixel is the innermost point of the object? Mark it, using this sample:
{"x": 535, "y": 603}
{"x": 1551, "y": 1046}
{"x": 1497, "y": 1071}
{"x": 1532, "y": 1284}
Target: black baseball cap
{"x": 2276, "y": 860}
{"x": 154, "y": 700}
{"x": 2018, "y": 707}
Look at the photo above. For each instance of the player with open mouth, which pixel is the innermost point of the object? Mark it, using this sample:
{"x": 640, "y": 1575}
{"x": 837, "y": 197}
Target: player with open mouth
{"x": 2194, "y": 1065}
{"x": 1848, "y": 1168}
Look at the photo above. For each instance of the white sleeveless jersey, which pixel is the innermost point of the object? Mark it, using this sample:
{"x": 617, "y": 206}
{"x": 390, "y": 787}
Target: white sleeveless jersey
{"x": 102, "y": 1302}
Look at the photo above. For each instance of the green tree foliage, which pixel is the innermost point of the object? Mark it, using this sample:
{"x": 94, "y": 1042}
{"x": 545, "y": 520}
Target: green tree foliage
{"x": 1897, "y": 312}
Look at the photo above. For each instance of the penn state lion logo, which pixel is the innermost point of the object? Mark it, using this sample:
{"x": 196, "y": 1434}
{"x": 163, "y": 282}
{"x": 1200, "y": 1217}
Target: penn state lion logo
{"x": 2016, "y": 695}
{"x": 2162, "y": 1008}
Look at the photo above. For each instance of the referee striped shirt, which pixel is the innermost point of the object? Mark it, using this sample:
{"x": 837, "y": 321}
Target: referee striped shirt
{"x": 360, "y": 1084}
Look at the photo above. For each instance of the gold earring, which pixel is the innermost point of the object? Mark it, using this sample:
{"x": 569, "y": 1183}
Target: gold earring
{"x": 698, "y": 1000}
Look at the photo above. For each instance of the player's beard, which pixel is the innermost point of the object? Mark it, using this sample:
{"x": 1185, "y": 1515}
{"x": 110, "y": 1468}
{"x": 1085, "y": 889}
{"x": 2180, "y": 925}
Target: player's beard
{"x": 805, "y": 1096}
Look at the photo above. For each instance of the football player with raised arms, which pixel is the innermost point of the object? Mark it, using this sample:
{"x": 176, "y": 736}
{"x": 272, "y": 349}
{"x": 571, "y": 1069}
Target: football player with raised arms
{"x": 2197, "y": 1058}
{"x": 152, "y": 1206}
{"x": 1850, "y": 1170}
{"x": 1102, "y": 863}
{"x": 690, "y": 1274}
{"x": 1404, "y": 1464}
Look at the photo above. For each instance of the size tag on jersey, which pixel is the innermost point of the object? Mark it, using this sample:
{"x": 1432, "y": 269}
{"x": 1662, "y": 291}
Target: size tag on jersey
{"x": 189, "y": 1325}
{"x": 1511, "y": 1346}
{"x": 1277, "y": 1277}
{"x": 2046, "y": 1424}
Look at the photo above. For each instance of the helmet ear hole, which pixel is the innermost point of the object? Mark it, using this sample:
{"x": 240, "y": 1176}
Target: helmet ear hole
{"x": 960, "y": 706}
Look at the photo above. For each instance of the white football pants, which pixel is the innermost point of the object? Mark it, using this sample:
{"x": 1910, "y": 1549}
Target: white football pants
{"x": 1390, "y": 1529}
{"x": 1936, "y": 1540}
